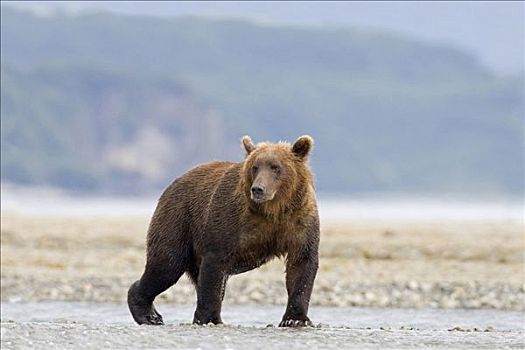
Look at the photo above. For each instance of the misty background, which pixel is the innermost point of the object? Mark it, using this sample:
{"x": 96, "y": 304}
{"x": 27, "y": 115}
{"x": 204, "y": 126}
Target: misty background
{"x": 119, "y": 98}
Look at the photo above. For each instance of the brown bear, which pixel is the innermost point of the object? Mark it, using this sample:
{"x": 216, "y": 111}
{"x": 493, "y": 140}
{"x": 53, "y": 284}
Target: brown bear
{"x": 223, "y": 218}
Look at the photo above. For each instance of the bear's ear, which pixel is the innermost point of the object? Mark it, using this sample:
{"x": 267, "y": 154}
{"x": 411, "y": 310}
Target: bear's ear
{"x": 303, "y": 146}
{"x": 247, "y": 144}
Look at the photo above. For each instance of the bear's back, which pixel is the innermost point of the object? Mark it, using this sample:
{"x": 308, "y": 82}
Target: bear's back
{"x": 202, "y": 180}
{"x": 186, "y": 200}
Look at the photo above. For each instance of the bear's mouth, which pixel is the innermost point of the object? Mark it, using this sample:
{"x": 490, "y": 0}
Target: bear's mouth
{"x": 261, "y": 199}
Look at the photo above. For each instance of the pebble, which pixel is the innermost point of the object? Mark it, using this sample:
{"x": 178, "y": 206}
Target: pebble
{"x": 475, "y": 329}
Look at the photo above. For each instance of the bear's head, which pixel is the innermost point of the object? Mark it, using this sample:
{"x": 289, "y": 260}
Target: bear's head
{"x": 276, "y": 176}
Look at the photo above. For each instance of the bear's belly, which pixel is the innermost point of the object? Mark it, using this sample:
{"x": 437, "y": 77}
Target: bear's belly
{"x": 243, "y": 265}
{"x": 253, "y": 252}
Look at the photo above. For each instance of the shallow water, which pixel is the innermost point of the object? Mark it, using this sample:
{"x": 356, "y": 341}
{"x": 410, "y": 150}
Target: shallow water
{"x": 89, "y": 325}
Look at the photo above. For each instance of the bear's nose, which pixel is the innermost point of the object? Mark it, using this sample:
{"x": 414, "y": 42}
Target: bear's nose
{"x": 257, "y": 190}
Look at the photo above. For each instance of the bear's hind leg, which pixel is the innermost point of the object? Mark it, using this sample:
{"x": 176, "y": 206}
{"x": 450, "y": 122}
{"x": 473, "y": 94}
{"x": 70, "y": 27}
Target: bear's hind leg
{"x": 193, "y": 272}
{"x": 156, "y": 278}
{"x": 143, "y": 312}
{"x": 210, "y": 291}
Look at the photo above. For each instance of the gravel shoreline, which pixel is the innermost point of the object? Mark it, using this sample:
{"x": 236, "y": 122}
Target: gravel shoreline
{"x": 393, "y": 264}
{"x": 413, "y": 294}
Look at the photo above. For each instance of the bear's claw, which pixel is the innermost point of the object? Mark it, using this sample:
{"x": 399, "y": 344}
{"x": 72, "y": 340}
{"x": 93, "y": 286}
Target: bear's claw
{"x": 155, "y": 319}
{"x": 296, "y": 323}
{"x": 151, "y": 317}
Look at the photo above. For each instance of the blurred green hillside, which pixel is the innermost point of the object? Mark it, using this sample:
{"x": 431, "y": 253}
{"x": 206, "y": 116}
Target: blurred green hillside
{"x": 119, "y": 104}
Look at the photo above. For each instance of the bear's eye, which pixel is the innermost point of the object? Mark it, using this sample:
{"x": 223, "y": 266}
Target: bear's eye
{"x": 275, "y": 168}
{"x": 254, "y": 169}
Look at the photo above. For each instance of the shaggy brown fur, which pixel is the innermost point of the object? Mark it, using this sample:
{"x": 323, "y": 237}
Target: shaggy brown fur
{"x": 224, "y": 218}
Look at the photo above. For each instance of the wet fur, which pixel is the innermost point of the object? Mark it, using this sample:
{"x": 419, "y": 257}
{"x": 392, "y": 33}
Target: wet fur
{"x": 206, "y": 226}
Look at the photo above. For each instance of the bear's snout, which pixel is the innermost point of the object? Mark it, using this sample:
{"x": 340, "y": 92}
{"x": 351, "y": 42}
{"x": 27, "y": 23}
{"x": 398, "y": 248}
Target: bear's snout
{"x": 258, "y": 190}
{"x": 259, "y": 193}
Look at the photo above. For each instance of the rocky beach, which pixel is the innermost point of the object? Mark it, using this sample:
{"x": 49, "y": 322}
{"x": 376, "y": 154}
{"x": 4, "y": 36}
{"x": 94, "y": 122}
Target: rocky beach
{"x": 473, "y": 265}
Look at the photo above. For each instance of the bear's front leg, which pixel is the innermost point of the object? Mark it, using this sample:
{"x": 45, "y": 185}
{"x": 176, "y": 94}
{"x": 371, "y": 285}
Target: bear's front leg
{"x": 300, "y": 275}
{"x": 210, "y": 288}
